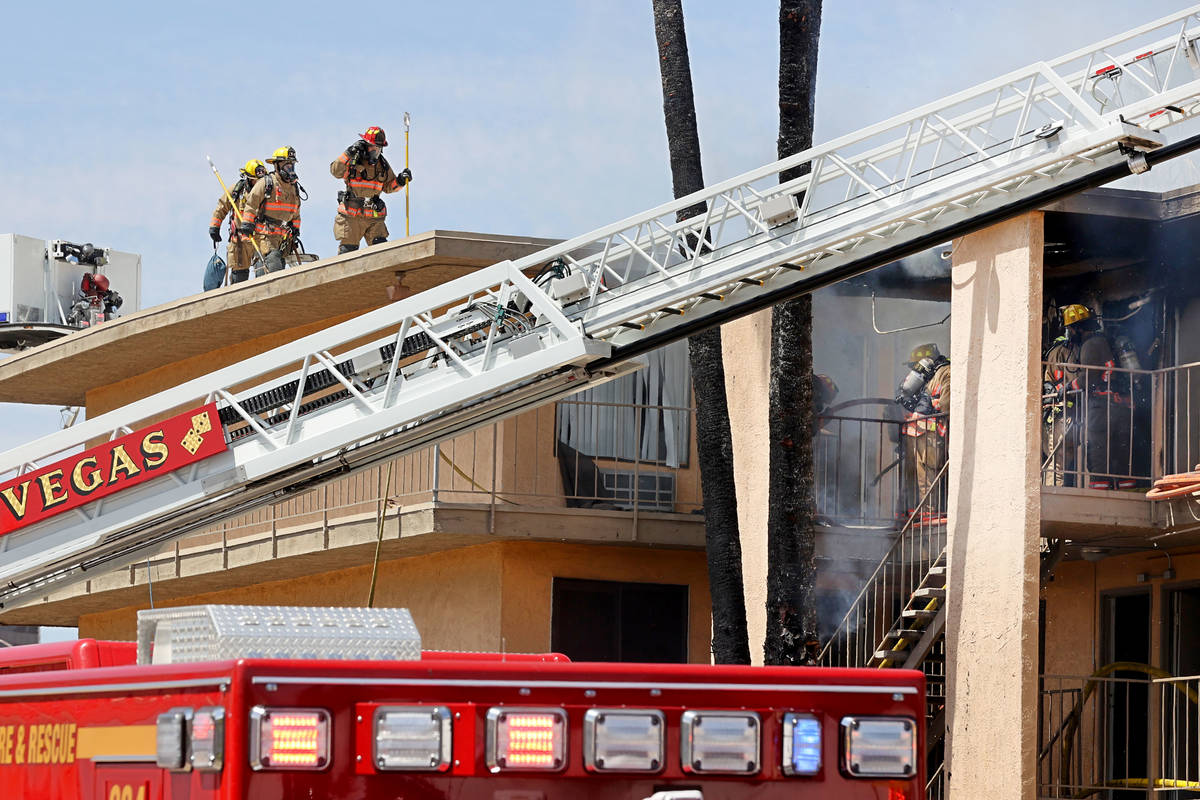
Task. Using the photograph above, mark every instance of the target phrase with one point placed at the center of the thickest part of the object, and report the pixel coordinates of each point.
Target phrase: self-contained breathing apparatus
(911, 394)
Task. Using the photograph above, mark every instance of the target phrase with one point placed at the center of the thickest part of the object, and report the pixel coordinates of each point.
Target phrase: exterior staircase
(898, 619)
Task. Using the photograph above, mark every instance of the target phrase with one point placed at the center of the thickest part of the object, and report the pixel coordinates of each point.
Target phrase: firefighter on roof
(925, 394)
(241, 250)
(272, 211)
(1085, 402)
(361, 211)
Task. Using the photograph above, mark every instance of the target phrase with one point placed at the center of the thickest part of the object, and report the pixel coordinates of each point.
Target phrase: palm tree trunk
(791, 524)
(714, 441)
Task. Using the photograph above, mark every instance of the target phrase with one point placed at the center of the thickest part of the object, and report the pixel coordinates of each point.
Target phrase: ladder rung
(711, 296)
(668, 310)
(751, 281)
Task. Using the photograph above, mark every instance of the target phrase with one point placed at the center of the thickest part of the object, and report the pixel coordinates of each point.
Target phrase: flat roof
(61, 372)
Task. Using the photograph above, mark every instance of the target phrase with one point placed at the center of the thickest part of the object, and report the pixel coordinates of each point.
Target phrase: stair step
(939, 569)
(918, 613)
(930, 591)
(896, 657)
(907, 634)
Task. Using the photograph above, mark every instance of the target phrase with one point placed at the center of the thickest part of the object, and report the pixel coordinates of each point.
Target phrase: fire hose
(1169, 487)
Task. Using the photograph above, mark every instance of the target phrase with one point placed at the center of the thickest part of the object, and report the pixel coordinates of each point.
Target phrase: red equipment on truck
(246, 703)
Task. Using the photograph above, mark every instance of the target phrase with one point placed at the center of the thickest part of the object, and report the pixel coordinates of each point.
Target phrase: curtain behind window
(612, 431)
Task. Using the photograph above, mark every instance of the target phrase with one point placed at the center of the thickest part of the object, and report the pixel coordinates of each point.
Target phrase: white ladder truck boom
(509, 342)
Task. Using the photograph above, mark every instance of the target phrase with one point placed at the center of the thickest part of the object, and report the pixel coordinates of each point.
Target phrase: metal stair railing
(509, 342)
(877, 610)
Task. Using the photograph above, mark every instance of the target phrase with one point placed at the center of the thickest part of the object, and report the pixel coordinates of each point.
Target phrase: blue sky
(540, 118)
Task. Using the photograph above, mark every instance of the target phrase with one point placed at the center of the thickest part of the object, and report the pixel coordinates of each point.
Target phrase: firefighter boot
(346, 248)
(379, 240)
(238, 275)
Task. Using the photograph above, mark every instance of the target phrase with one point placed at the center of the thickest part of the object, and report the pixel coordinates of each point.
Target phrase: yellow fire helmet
(254, 168)
(929, 350)
(1075, 313)
(282, 154)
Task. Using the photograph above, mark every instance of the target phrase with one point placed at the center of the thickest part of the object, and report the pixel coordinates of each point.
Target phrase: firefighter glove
(405, 176)
(924, 405)
(246, 228)
(214, 233)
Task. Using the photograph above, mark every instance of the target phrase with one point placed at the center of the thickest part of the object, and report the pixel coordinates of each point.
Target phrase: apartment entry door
(1180, 710)
(1126, 693)
(619, 621)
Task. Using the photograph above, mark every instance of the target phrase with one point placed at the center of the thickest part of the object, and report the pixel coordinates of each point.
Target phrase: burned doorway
(619, 621)
(1126, 627)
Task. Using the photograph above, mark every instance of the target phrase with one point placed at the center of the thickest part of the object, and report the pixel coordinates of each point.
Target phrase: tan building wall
(746, 348)
(1073, 605)
(483, 598)
(994, 512)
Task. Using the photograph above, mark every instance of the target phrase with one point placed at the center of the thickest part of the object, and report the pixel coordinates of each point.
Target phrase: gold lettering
(153, 445)
(15, 504)
(6, 744)
(20, 744)
(69, 756)
(93, 478)
(121, 463)
(50, 484)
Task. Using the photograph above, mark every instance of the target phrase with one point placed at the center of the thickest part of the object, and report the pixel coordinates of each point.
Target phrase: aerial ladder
(522, 333)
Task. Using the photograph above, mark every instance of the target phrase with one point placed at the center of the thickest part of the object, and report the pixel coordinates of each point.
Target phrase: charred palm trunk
(791, 524)
(713, 439)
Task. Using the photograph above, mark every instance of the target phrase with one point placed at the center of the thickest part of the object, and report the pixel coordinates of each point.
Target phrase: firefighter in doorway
(361, 211)
(925, 395)
(272, 211)
(1085, 403)
(241, 250)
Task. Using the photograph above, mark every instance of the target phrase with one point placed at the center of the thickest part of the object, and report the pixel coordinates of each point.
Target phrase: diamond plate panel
(218, 633)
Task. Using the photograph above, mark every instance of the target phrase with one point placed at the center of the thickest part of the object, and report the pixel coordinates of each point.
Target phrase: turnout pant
(350, 230)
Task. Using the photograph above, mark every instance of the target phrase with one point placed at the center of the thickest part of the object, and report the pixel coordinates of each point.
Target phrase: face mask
(372, 154)
(287, 172)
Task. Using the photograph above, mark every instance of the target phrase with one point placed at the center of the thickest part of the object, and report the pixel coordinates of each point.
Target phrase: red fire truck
(90, 720)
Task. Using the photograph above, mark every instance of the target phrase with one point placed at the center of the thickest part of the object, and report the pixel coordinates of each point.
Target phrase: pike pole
(233, 207)
(407, 122)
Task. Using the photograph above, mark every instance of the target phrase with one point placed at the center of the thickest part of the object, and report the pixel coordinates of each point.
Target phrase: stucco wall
(746, 349)
(487, 597)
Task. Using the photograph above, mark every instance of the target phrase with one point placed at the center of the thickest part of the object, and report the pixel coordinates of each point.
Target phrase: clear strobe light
(623, 740)
(413, 738)
(879, 747)
(719, 741)
(170, 739)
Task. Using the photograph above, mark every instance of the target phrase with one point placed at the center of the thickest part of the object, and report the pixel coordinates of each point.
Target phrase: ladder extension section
(497, 342)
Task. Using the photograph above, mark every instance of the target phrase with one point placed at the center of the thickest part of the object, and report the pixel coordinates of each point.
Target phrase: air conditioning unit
(655, 490)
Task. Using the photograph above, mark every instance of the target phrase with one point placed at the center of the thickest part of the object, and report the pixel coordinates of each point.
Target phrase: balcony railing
(1128, 731)
(1114, 428)
(516, 463)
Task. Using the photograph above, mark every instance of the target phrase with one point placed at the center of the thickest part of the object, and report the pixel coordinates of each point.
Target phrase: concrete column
(994, 511)
(746, 347)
